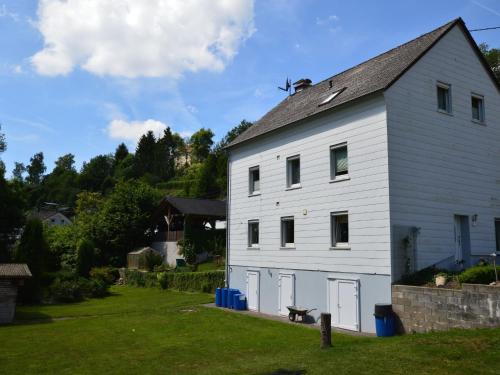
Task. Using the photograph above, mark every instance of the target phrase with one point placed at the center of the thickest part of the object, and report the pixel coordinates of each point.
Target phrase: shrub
(69, 287)
(85, 257)
(108, 275)
(152, 260)
(187, 250)
(481, 274)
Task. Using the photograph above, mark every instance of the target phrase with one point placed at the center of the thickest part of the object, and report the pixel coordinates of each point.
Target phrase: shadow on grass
(32, 317)
(282, 371)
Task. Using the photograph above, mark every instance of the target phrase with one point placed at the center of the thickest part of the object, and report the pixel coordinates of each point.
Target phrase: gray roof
(14, 271)
(195, 206)
(369, 77)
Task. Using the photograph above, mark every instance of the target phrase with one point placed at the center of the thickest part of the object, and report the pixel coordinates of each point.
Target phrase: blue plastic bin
(384, 326)
(384, 320)
(230, 293)
(239, 301)
(224, 297)
(218, 297)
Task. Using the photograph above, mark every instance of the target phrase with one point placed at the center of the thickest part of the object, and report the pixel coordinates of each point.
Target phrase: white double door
(343, 303)
(286, 286)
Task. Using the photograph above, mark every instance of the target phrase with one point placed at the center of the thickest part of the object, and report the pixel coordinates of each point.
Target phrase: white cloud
(327, 20)
(192, 108)
(5, 13)
(133, 130)
(132, 38)
(17, 69)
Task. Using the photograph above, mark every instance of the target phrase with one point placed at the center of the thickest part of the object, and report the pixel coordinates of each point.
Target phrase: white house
(386, 168)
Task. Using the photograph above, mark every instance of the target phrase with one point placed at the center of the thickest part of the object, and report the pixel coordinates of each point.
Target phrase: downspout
(228, 204)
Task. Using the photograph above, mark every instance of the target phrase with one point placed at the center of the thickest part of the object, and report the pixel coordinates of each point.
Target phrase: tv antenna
(288, 86)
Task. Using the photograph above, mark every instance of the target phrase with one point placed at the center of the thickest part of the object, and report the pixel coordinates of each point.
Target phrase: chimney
(302, 84)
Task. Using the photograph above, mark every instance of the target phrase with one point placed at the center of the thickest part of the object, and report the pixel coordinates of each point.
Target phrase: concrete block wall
(423, 309)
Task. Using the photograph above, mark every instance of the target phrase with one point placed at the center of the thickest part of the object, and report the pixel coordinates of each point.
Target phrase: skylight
(332, 96)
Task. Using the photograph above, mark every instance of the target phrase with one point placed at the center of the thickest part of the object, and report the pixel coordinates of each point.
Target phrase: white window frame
(287, 245)
(482, 113)
(333, 243)
(447, 87)
(289, 161)
(251, 181)
(250, 244)
(333, 171)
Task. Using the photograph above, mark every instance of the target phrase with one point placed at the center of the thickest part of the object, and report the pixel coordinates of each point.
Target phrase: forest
(110, 201)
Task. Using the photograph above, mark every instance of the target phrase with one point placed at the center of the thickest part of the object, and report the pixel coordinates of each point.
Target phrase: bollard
(326, 330)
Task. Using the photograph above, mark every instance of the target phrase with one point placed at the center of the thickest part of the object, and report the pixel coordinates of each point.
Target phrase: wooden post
(326, 330)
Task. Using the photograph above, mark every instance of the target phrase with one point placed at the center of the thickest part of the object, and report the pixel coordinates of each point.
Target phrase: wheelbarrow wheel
(291, 316)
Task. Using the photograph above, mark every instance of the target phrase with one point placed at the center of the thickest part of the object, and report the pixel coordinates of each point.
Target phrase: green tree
(32, 250)
(201, 143)
(493, 57)
(65, 163)
(167, 149)
(36, 169)
(121, 153)
(124, 221)
(3, 141)
(60, 186)
(96, 174)
(18, 172)
(145, 155)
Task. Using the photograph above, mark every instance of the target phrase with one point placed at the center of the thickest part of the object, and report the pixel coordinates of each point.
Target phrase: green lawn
(150, 331)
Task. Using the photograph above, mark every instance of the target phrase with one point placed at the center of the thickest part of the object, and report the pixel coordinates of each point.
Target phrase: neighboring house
(51, 217)
(177, 214)
(386, 168)
(12, 276)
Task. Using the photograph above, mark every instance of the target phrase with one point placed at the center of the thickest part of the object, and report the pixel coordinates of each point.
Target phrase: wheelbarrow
(295, 311)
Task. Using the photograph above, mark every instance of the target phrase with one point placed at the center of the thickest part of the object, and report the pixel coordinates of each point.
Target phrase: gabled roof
(195, 206)
(372, 76)
(14, 271)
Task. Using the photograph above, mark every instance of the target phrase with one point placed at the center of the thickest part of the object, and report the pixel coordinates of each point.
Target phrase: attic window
(332, 96)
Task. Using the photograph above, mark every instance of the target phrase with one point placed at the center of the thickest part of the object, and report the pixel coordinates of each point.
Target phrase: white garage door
(343, 303)
(286, 292)
(253, 290)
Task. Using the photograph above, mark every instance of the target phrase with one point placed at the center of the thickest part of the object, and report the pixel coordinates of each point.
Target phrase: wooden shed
(12, 275)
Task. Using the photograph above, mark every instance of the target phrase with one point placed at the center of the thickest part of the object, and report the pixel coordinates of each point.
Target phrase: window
(254, 180)
(332, 96)
(253, 233)
(293, 171)
(477, 102)
(444, 97)
(287, 232)
(497, 233)
(338, 160)
(339, 229)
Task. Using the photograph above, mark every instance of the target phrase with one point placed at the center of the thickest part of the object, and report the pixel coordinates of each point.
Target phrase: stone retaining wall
(423, 309)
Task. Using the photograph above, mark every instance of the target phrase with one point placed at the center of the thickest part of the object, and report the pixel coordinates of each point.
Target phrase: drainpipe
(228, 204)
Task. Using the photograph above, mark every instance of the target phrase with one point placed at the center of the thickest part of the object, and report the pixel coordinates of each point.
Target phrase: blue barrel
(239, 301)
(224, 297)
(230, 293)
(218, 297)
(384, 320)
(384, 326)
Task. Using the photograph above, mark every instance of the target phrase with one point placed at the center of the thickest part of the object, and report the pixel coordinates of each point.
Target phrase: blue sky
(69, 86)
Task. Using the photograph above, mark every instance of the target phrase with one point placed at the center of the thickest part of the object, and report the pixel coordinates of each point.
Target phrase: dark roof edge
(314, 116)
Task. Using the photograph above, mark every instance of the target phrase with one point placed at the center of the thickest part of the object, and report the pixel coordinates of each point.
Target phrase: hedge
(481, 274)
(184, 281)
(192, 281)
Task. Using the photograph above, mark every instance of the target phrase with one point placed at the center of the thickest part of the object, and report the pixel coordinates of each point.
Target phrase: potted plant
(440, 279)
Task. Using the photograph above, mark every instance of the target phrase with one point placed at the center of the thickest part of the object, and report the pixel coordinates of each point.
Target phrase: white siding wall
(364, 196)
(441, 165)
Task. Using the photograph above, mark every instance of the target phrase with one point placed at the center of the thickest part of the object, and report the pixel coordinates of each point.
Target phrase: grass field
(150, 331)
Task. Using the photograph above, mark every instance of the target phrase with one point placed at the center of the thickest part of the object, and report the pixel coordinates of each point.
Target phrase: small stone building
(12, 275)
